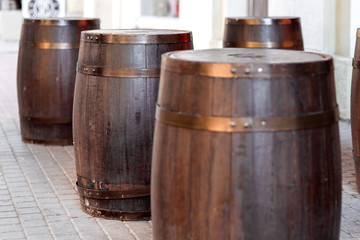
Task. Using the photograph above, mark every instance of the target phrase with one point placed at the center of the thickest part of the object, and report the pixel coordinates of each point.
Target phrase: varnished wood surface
(46, 78)
(266, 32)
(113, 151)
(256, 185)
(355, 108)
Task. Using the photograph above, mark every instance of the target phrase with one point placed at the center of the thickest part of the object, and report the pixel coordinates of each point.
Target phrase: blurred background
(328, 26)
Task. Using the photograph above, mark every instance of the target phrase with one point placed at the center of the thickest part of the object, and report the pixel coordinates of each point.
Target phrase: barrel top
(73, 21)
(137, 36)
(262, 20)
(242, 56)
(358, 33)
(235, 62)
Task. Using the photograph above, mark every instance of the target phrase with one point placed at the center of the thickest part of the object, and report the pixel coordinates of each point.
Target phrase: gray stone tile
(36, 231)
(5, 215)
(6, 209)
(32, 217)
(26, 205)
(24, 211)
(40, 236)
(13, 235)
(6, 203)
(9, 221)
(34, 223)
(10, 228)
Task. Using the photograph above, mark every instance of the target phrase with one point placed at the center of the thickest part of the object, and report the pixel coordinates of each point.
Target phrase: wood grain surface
(114, 119)
(265, 32)
(355, 107)
(46, 77)
(246, 185)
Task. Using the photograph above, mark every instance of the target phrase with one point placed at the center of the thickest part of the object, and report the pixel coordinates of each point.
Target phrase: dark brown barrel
(114, 113)
(355, 108)
(263, 32)
(246, 146)
(46, 77)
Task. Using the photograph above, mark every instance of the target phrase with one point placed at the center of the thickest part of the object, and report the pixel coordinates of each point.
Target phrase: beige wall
(342, 28)
(113, 13)
(317, 21)
(75, 7)
(100, 9)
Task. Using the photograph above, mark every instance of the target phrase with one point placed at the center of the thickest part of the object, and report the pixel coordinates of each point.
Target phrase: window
(10, 4)
(164, 8)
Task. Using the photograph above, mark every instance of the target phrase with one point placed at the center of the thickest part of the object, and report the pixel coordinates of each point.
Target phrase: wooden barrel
(114, 113)
(355, 109)
(46, 77)
(263, 32)
(246, 146)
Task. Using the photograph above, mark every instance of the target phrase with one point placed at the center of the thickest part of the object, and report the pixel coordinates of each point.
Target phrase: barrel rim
(113, 214)
(262, 20)
(61, 21)
(246, 70)
(99, 36)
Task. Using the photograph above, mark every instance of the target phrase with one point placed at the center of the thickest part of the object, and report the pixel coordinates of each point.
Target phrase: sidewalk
(38, 198)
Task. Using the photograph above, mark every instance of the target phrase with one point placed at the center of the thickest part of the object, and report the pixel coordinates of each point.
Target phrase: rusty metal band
(356, 63)
(62, 22)
(258, 70)
(112, 214)
(136, 39)
(118, 72)
(261, 21)
(358, 33)
(98, 185)
(114, 194)
(47, 120)
(246, 124)
(254, 44)
(50, 45)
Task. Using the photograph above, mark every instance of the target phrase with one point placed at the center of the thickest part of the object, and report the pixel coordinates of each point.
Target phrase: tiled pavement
(38, 198)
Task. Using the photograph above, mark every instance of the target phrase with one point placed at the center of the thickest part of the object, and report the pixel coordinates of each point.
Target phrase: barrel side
(282, 36)
(114, 153)
(45, 81)
(355, 113)
(260, 185)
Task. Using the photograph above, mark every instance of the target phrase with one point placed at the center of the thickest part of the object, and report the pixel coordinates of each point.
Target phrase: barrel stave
(35, 32)
(123, 128)
(355, 121)
(46, 97)
(355, 114)
(264, 33)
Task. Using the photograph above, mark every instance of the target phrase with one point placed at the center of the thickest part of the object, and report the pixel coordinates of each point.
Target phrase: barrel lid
(262, 20)
(137, 36)
(73, 21)
(242, 62)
